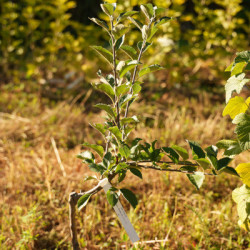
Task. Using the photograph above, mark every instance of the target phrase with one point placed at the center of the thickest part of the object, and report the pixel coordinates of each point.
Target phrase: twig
(58, 156)
(164, 169)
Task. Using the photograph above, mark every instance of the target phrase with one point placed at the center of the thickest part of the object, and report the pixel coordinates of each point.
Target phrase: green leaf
(162, 20)
(119, 30)
(229, 170)
(229, 68)
(112, 197)
(86, 155)
(97, 168)
(196, 149)
(147, 10)
(237, 68)
(223, 162)
(124, 99)
(108, 8)
(196, 179)
(124, 150)
(107, 159)
(225, 144)
(119, 42)
(204, 163)
(242, 197)
(136, 172)
(181, 151)
(243, 170)
(122, 89)
(153, 31)
(129, 196)
(121, 176)
(235, 106)
(188, 168)
(146, 46)
(99, 149)
(107, 108)
(88, 178)
(137, 23)
(136, 87)
(130, 51)
(82, 202)
(235, 83)
(107, 55)
(128, 120)
(150, 69)
(130, 64)
(158, 11)
(243, 56)
(116, 132)
(106, 88)
(121, 166)
(99, 127)
(100, 23)
(243, 132)
(125, 15)
(171, 154)
(212, 150)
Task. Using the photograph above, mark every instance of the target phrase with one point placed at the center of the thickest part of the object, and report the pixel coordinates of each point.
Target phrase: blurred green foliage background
(45, 43)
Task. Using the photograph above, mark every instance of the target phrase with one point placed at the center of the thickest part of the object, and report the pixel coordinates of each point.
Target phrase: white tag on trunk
(121, 213)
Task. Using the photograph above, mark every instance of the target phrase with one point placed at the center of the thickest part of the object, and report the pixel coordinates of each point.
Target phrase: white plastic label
(121, 214)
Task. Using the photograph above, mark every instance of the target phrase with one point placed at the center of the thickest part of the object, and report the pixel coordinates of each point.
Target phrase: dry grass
(34, 192)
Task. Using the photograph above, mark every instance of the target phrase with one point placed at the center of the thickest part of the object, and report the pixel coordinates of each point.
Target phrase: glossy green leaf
(107, 55)
(97, 168)
(223, 162)
(107, 159)
(124, 150)
(181, 151)
(145, 46)
(130, 64)
(108, 8)
(147, 10)
(196, 149)
(129, 196)
(100, 23)
(121, 166)
(100, 127)
(204, 163)
(119, 42)
(83, 201)
(136, 87)
(86, 155)
(136, 22)
(136, 172)
(112, 197)
(116, 132)
(122, 89)
(119, 30)
(107, 108)
(106, 88)
(171, 153)
(130, 51)
(188, 168)
(243, 132)
(149, 69)
(125, 15)
(99, 149)
(243, 56)
(162, 20)
(196, 179)
(229, 170)
(158, 11)
(128, 120)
